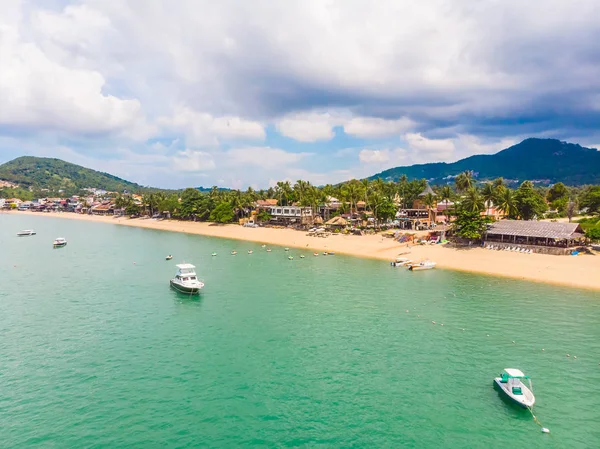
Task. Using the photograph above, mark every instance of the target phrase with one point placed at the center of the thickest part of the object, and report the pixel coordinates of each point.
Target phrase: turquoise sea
(96, 351)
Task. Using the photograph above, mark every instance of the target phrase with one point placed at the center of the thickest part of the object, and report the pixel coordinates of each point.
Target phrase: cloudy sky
(239, 93)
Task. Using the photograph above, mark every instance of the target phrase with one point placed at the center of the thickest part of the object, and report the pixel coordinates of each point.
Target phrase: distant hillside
(55, 174)
(532, 159)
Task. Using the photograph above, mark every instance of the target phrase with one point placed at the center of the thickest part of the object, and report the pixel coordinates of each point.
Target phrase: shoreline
(570, 271)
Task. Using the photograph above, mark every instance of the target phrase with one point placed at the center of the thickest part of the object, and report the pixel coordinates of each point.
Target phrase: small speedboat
(401, 262)
(315, 254)
(268, 250)
(422, 266)
(263, 246)
(302, 256)
(169, 257)
(233, 253)
(59, 242)
(25, 233)
(250, 251)
(186, 280)
(511, 384)
(290, 258)
(287, 249)
(213, 254)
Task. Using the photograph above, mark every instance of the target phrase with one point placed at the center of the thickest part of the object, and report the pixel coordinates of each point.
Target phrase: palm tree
(366, 188)
(402, 187)
(351, 192)
(472, 202)
(507, 203)
(464, 181)
(446, 195)
(301, 187)
(489, 194)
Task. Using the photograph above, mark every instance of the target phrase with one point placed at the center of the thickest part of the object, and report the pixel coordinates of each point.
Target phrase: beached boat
(511, 384)
(59, 242)
(421, 266)
(401, 262)
(186, 280)
(25, 233)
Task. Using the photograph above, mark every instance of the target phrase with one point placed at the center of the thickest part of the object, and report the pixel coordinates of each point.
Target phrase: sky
(242, 93)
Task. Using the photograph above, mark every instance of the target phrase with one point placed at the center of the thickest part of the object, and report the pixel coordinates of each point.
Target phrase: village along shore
(581, 271)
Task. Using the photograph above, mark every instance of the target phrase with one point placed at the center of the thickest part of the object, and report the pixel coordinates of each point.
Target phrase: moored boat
(511, 384)
(186, 280)
(169, 257)
(401, 262)
(59, 242)
(25, 233)
(427, 265)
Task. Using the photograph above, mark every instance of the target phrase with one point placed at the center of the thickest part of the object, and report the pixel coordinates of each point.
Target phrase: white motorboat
(25, 233)
(186, 280)
(401, 262)
(59, 242)
(511, 384)
(427, 265)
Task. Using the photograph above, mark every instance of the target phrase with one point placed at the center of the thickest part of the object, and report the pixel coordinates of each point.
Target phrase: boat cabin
(186, 272)
(512, 378)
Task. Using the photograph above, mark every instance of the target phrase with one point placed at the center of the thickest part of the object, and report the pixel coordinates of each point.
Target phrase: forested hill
(55, 174)
(532, 159)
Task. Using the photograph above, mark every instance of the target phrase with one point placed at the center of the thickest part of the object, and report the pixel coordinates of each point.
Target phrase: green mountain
(547, 160)
(55, 174)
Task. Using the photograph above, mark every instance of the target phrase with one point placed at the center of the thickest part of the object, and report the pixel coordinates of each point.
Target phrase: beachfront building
(265, 204)
(544, 236)
(419, 216)
(291, 215)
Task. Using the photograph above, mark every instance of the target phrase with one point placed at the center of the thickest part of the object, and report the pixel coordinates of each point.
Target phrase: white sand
(576, 271)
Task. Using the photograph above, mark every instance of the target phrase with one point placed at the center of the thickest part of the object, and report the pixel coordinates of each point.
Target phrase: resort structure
(548, 237)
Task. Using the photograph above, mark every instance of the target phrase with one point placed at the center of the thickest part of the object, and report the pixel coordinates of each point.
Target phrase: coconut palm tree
(507, 203)
(473, 201)
(489, 194)
(464, 181)
(446, 194)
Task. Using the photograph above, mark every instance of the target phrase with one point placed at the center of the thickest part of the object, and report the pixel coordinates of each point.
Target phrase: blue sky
(238, 94)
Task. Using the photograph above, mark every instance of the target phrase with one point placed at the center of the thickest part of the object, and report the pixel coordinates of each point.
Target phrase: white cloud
(308, 127)
(193, 161)
(40, 94)
(264, 157)
(417, 142)
(372, 127)
(388, 156)
(370, 156)
(204, 129)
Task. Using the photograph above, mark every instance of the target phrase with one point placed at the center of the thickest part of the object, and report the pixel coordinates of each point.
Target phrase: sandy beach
(580, 271)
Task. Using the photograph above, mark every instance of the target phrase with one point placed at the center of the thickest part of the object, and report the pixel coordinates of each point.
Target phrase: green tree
(386, 210)
(464, 181)
(590, 199)
(472, 201)
(557, 192)
(529, 203)
(446, 196)
(470, 224)
(489, 193)
(223, 213)
(507, 203)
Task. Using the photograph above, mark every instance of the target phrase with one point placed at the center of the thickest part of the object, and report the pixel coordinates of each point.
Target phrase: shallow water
(97, 351)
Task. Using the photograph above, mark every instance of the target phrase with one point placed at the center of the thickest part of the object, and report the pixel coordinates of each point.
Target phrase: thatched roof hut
(318, 220)
(337, 222)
